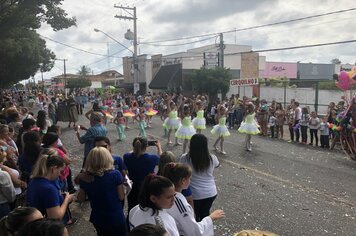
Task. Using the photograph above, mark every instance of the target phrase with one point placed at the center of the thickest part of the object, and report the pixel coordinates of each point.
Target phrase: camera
(152, 143)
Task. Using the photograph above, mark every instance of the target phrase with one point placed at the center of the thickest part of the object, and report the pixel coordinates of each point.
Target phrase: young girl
(249, 126)
(220, 129)
(314, 125)
(149, 111)
(182, 212)
(303, 122)
(141, 122)
(199, 121)
(127, 113)
(120, 125)
(157, 193)
(186, 131)
(324, 133)
(172, 123)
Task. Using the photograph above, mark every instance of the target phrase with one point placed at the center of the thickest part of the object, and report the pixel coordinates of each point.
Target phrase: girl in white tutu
(186, 130)
(172, 122)
(220, 129)
(249, 126)
(199, 121)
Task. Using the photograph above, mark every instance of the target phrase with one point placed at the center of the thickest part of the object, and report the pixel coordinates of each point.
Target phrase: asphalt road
(288, 189)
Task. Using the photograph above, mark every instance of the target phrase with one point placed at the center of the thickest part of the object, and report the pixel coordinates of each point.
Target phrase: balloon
(331, 125)
(344, 82)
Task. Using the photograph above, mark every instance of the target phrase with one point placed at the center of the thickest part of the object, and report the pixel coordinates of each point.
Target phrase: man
(96, 129)
(102, 141)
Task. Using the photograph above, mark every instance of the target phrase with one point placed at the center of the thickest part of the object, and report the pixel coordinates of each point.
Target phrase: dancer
(127, 113)
(220, 129)
(149, 111)
(199, 121)
(141, 122)
(186, 131)
(120, 125)
(172, 123)
(249, 126)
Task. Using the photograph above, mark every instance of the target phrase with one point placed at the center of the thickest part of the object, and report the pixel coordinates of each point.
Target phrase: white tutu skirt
(170, 123)
(199, 123)
(185, 132)
(220, 130)
(248, 128)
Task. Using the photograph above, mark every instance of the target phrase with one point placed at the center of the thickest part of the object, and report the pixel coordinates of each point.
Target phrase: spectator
(280, 117)
(166, 157)
(96, 129)
(157, 193)
(202, 183)
(42, 192)
(73, 112)
(27, 126)
(42, 122)
(104, 187)
(52, 110)
(7, 190)
(297, 117)
(15, 220)
(58, 130)
(43, 227)
(148, 230)
(314, 125)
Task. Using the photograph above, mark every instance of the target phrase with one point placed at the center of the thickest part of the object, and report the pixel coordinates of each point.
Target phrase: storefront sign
(244, 82)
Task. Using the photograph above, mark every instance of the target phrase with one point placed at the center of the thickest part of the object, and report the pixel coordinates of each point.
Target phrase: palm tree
(84, 71)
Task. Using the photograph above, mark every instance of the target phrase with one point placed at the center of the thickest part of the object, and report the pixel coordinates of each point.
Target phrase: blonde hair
(98, 161)
(166, 157)
(47, 159)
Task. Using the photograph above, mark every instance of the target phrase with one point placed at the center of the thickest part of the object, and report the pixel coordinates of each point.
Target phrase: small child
(120, 125)
(324, 133)
(272, 124)
(141, 122)
(58, 130)
(249, 126)
(314, 125)
(220, 130)
(304, 122)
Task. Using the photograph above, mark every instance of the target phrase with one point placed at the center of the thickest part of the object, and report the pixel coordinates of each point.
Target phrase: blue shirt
(88, 137)
(43, 194)
(24, 164)
(104, 200)
(119, 163)
(140, 167)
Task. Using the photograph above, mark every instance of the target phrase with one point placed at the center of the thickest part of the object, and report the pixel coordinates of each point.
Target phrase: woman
(202, 182)
(280, 118)
(139, 164)
(7, 190)
(73, 112)
(104, 187)
(42, 122)
(43, 227)
(16, 219)
(32, 148)
(42, 192)
(157, 193)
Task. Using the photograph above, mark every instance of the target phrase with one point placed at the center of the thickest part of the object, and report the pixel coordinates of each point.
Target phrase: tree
(335, 61)
(84, 72)
(22, 51)
(211, 81)
(75, 83)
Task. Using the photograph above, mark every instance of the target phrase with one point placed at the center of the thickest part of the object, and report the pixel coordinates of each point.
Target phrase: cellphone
(152, 143)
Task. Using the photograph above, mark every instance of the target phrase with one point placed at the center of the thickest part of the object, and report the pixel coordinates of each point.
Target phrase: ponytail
(139, 145)
(47, 159)
(176, 172)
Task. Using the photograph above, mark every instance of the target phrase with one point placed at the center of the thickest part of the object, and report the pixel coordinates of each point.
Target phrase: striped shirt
(88, 137)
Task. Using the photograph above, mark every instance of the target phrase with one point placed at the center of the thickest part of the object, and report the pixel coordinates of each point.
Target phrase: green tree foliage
(84, 72)
(22, 51)
(335, 61)
(211, 81)
(74, 83)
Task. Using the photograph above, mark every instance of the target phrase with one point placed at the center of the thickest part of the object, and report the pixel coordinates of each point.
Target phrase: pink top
(65, 172)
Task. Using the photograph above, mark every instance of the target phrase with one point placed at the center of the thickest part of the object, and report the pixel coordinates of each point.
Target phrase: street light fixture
(109, 36)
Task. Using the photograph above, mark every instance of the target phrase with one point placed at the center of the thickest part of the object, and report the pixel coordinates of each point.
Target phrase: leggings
(121, 132)
(141, 126)
(304, 130)
(314, 132)
(202, 207)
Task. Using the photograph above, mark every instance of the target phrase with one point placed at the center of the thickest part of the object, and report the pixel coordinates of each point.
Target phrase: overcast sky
(170, 19)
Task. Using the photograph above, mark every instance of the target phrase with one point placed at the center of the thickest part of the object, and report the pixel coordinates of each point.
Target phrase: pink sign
(280, 69)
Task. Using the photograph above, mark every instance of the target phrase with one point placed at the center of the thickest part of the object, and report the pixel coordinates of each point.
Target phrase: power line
(72, 47)
(111, 55)
(256, 27)
(180, 44)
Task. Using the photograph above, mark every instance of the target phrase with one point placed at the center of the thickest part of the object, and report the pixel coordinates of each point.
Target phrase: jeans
(314, 133)
(304, 130)
(202, 207)
(297, 134)
(231, 120)
(324, 141)
(272, 131)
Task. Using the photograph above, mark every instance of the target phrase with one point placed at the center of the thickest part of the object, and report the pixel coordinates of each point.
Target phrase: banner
(244, 82)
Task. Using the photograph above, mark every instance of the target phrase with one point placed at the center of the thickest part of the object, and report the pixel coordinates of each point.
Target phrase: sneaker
(223, 152)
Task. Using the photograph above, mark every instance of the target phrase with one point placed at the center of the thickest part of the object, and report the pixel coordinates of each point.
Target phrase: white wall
(95, 84)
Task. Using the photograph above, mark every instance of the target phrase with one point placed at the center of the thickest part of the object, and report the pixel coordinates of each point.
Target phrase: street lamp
(109, 36)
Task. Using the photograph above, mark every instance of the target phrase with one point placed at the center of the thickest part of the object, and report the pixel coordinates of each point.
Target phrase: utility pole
(65, 75)
(132, 12)
(108, 52)
(221, 53)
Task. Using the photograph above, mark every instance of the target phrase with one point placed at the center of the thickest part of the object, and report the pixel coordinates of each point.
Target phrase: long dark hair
(49, 139)
(32, 148)
(43, 227)
(199, 153)
(41, 119)
(152, 185)
(15, 220)
(176, 172)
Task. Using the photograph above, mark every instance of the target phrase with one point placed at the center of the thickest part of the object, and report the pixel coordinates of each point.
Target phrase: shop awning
(168, 77)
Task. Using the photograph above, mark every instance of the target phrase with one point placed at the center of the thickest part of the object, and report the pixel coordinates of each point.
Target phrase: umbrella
(110, 87)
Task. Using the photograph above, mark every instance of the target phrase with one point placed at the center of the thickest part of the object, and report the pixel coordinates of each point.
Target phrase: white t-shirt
(183, 214)
(137, 217)
(298, 113)
(202, 184)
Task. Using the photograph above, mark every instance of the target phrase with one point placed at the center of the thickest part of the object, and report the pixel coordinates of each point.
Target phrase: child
(141, 122)
(314, 125)
(220, 129)
(127, 113)
(304, 122)
(272, 124)
(324, 133)
(249, 125)
(149, 112)
(120, 125)
(172, 123)
(199, 121)
(181, 211)
(186, 131)
(157, 194)
(58, 130)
